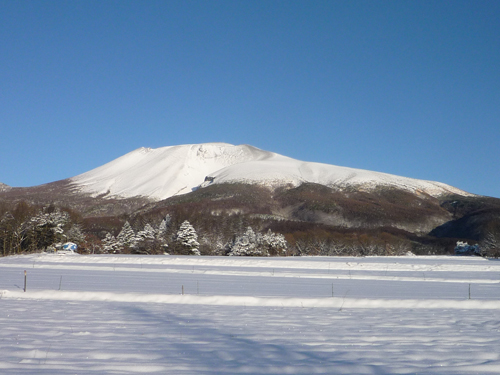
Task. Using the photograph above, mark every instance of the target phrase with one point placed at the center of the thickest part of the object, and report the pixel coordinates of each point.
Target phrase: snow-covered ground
(127, 314)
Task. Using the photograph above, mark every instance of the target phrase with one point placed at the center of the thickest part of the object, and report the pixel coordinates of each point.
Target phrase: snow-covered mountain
(164, 172)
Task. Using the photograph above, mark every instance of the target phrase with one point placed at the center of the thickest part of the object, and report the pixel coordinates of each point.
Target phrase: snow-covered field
(127, 314)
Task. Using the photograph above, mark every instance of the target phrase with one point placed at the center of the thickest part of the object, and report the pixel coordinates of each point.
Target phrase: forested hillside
(244, 219)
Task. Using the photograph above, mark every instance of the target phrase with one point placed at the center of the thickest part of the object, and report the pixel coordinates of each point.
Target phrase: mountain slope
(168, 171)
(4, 187)
(223, 189)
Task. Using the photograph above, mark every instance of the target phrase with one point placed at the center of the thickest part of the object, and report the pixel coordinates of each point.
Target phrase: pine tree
(146, 241)
(147, 234)
(127, 236)
(161, 234)
(252, 244)
(75, 234)
(47, 229)
(110, 244)
(187, 238)
(162, 229)
(273, 243)
(246, 244)
(59, 220)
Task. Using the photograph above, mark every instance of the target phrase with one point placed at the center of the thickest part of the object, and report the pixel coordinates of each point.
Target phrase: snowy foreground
(127, 314)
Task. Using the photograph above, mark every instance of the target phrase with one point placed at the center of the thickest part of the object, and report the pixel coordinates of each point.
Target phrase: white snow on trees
(188, 238)
(110, 244)
(49, 228)
(185, 241)
(252, 244)
(147, 234)
(163, 227)
(127, 236)
(463, 248)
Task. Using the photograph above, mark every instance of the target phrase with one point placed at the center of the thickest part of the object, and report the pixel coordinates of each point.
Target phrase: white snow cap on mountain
(167, 171)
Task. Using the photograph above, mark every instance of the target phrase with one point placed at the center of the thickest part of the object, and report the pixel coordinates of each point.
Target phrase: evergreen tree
(246, 244)
(147, 234)
(273, 243)
(187, 238)
(127, 236)
(110, 244)
(75, 234)
(163, 228)
(47, 229)
(161, 234)
(59, 220)
(146, 242)
(252, 244)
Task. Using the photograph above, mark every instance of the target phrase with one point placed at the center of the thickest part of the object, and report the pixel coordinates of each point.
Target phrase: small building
(69, 247)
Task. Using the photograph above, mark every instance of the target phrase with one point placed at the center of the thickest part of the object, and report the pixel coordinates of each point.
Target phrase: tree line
(26, 228)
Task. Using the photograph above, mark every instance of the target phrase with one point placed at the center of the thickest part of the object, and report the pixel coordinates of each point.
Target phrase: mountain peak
(173, 170)
(4, 187)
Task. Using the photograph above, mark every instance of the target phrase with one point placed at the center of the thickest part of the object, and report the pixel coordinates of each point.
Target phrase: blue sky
(404, 87)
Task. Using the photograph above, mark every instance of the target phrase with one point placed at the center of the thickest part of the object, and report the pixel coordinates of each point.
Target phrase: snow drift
(164, 172)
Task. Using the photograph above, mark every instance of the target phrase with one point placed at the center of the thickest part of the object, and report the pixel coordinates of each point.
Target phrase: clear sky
(404, 87)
